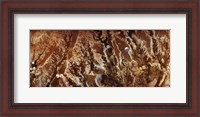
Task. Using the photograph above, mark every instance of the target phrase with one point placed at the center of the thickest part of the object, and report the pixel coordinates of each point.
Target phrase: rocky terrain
(100, 58)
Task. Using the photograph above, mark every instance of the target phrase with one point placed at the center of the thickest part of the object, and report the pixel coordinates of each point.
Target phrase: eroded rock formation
(100, 58)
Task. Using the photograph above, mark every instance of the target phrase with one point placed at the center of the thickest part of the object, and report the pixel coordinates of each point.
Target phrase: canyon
(99, 58)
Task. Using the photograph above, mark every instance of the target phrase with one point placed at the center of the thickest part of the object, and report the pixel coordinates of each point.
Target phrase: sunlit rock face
(100, 58)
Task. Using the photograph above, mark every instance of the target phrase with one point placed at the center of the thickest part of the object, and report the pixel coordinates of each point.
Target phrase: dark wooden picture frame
(11, 7)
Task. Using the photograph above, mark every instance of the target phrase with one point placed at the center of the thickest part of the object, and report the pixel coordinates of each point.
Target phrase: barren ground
(99, 58)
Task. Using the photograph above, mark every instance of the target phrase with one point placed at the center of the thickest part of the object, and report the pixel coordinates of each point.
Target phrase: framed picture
(100, 58)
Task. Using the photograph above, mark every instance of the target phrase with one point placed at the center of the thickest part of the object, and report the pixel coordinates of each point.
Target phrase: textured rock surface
(99, 58)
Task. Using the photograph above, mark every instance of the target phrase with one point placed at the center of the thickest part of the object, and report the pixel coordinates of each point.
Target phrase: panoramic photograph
(99, 58)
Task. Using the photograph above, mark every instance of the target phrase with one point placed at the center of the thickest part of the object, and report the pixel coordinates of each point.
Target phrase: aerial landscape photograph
(99, 58)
